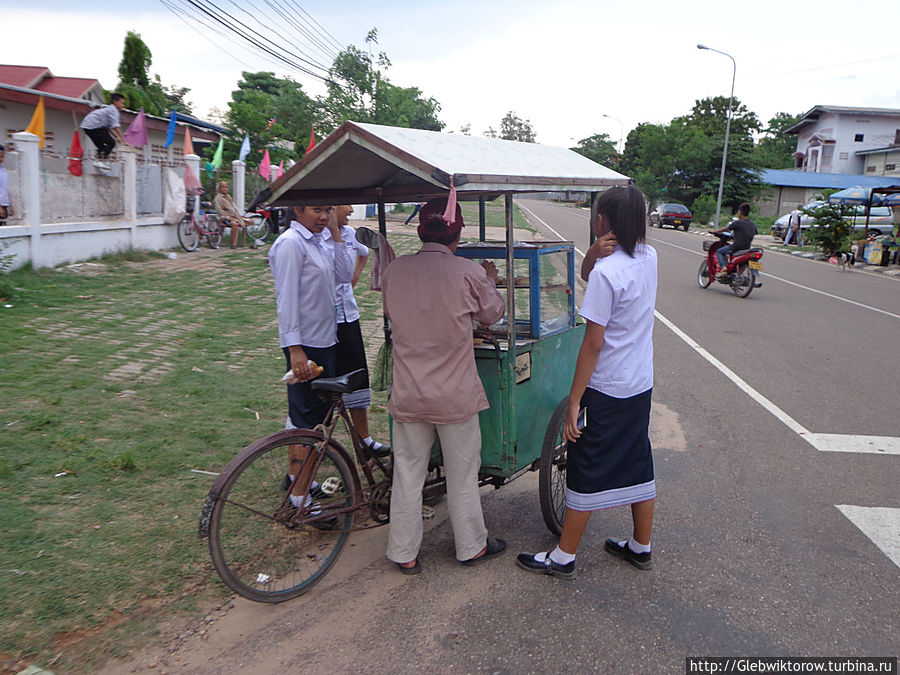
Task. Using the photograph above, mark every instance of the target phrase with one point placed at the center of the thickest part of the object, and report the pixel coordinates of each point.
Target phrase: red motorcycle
(266, 222)
(742, 270)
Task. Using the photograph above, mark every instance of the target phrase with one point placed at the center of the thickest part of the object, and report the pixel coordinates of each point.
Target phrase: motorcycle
(742, 269)
(266, 222)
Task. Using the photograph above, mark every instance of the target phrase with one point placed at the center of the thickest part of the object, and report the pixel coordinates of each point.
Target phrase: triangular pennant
(136, 134)
(188, 145)
(75, 155)
(36, 125)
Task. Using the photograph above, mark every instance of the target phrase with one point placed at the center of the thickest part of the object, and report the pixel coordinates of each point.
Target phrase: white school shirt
(348, 310)
(106, 117)
(306, 268)
(621, 295)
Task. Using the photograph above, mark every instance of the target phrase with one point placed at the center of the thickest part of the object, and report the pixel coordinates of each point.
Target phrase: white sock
(560, 557)
(638, 548)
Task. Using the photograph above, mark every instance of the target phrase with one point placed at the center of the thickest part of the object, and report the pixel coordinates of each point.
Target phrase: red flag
(312, 139)
(265, 168)
(75, 155)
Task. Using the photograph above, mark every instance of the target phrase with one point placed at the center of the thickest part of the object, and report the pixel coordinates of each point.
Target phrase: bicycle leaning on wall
(198, 223)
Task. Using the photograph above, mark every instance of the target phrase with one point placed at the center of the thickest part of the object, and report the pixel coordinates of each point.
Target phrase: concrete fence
(61, 218)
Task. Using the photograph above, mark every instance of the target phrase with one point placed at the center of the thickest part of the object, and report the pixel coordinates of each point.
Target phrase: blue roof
(812, 179)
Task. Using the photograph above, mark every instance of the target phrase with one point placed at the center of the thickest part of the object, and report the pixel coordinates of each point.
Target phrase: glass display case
(543, 276)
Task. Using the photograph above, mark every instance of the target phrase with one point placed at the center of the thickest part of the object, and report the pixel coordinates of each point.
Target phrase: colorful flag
(271, 122)
(136, 134)
(280, 170)
(312, 139)
(217, 157)
(170, 134)
(188, 145)
(75, 154)
(265, 168)
(36, 125)
(245, 148)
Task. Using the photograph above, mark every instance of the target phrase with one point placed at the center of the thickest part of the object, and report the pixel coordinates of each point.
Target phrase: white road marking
(767, 275)
(533, 215)
(879, 445)
(880, 524)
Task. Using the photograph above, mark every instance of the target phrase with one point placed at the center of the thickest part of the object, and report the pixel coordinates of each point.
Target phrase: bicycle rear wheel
(265, 549)
(213, 232)
(188, 236)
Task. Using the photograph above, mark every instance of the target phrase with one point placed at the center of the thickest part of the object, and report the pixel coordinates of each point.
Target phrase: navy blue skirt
(611, 464)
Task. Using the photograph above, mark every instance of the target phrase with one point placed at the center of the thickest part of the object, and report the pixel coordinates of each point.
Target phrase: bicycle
(193, 226)
(263, 546)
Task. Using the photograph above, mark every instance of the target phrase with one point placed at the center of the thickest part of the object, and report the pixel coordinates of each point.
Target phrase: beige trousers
(461, 447)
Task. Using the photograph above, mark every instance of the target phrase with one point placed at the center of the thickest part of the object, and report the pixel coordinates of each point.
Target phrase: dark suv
(674, 215)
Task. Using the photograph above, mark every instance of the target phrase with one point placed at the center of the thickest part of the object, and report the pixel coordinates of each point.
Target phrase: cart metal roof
(360, 163)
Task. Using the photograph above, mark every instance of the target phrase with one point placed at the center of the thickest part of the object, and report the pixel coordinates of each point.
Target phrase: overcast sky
(562, 64)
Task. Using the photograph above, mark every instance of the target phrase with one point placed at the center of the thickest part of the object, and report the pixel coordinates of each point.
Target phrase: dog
(846, 261)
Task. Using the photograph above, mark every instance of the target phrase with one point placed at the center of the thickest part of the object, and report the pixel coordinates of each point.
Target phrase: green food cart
(526, 361)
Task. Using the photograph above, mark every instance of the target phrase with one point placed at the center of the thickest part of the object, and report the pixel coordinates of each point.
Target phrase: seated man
(743, 230)
(228, 214)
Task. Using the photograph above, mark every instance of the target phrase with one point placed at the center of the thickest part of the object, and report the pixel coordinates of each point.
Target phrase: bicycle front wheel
(188, 236)
(263, 547)
(258, 229)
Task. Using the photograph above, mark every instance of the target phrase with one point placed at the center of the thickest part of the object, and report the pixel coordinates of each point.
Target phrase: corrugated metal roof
(812, 179)
(357, 160)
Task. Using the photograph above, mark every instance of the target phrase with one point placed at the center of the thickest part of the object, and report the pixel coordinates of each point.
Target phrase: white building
(831, 138)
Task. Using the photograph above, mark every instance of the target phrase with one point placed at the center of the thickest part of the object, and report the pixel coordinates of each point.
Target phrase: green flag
(216, 160)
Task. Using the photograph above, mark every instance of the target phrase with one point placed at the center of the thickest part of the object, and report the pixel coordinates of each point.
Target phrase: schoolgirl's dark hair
(625, 211)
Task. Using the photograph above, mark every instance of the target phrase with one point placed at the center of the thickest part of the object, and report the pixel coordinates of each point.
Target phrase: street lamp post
(621, 131)
(727, 129)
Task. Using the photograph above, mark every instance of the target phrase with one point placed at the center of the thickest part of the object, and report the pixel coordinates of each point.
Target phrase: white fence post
(30, 181)
(238, 170)
(129, 189)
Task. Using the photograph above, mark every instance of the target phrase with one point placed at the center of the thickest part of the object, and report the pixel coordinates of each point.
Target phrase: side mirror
(367, 237)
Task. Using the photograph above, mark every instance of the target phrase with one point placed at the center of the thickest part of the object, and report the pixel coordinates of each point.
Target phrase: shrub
(831, 231)
(704, 207)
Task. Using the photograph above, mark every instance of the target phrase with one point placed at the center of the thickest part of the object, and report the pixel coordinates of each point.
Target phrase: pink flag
(450, 212)
(265, 168)
(280, 170)
(136, 134)
(191, 182)
(188, 144)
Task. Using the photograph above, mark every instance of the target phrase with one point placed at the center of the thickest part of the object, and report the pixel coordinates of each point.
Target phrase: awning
(360, 163)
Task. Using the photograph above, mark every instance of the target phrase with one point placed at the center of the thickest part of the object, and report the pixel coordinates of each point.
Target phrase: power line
(337, 44)
(310, 35)
(216, 13)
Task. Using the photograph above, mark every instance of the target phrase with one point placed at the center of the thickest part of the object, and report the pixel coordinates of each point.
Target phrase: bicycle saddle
(341, 385)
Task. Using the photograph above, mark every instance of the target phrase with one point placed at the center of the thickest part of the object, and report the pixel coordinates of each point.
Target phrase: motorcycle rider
(743, 230)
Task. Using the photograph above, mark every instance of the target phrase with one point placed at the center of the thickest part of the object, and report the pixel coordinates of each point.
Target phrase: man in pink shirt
(431, 299)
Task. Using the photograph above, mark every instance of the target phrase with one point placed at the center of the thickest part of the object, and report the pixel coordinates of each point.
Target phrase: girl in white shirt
(609, 455)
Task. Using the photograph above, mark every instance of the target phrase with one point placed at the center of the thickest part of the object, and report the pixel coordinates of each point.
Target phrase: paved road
(767, 541)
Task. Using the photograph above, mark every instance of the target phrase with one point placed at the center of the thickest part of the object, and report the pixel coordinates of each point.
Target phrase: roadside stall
(526, 361)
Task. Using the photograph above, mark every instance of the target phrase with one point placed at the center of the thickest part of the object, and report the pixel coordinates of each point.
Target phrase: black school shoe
(527, 562)
(381, 451)
(640, 560)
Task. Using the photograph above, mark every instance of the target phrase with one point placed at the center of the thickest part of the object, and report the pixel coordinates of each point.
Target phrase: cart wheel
(552, 475)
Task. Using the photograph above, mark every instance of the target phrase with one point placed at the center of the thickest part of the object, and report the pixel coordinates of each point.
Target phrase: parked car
(881, 220)
(674, 215)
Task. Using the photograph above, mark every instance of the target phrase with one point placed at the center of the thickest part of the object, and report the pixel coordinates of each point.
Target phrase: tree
(175, 99)
(774, 149)
(681, 161)
(140, 89)
(268, 109)
(360, 90)
(599, 148)
(514, 128)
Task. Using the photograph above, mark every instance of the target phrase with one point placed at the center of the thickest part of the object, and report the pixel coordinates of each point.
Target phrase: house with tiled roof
(67, 100)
